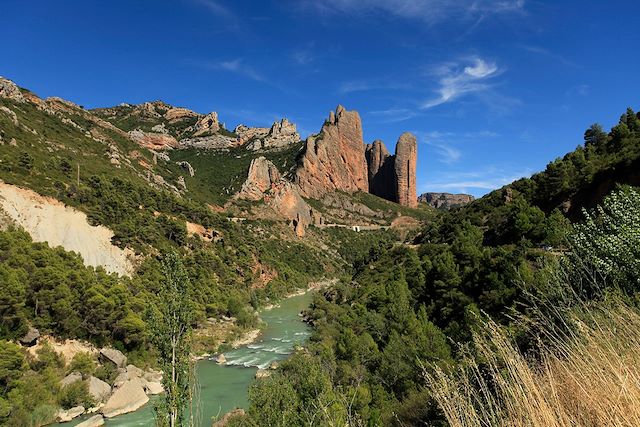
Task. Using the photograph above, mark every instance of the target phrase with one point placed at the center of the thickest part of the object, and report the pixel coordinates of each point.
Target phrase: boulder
(153, 376)
(31, 337)
(134, 371)
(95, 421)
(98, 389)
(221, 360)
(334, 159)
(127, 398)
(405, 170)
(262, 373)
(152, 387)
(113, 356)
(73, 377)
(122, 378)
(69, 414)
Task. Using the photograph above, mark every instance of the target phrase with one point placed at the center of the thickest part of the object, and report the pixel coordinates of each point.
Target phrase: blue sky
(494, 89)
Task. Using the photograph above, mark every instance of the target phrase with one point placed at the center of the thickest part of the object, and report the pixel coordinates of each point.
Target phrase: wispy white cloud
(429, 11)
(303, 56)
(368, 85)
(237, 66)
(474, 182)
(457, 79)
(446, 143)
(216, 8)
(549, 54)
(394, 115)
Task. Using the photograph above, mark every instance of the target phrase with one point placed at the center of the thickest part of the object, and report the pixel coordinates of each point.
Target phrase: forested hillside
(411, 310)
(154, 204)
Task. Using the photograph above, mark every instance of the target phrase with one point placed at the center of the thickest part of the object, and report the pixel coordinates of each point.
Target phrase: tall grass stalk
(585, 375)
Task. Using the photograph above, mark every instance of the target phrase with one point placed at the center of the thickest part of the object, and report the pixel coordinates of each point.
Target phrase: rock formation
(394, 177)
(445, 200)
(263, 175)
(10, 90)
(405, 170)
(334, 159)
(280, 135)
(264, 182)
(380, 170)
(153, 140)
(208, 123)
(216, 141)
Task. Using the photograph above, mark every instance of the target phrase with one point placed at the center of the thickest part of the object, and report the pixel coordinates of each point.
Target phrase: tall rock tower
(334, 159)
(405, 170)
(394, 177)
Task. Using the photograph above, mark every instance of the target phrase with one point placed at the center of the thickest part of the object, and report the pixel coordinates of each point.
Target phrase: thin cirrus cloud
(237, 66)
(475, 182)
(456, 80)
(445, 143)
(429, 11)
(218, 9)
(367, 85)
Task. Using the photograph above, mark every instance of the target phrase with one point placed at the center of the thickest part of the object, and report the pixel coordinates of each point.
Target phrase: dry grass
(587, 377)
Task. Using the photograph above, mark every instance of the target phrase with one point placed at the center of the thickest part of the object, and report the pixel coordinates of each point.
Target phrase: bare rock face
(394, 177)
(179, 113)
(334, 159)
(286, 200)
(405, 170)
(445, 200)
(281, 134)
(246, 133)
(10, 90)
(380, 170)
(264, 182)
(208, 123)
(263, 175)
(153, 140)
(211, 142)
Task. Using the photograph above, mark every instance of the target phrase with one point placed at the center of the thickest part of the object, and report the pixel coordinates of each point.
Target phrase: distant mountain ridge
(445, 200)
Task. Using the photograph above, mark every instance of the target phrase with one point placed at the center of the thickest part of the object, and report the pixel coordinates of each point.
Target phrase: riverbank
(224, 387)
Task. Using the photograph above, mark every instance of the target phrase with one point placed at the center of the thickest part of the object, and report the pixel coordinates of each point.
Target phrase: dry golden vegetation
(587, 373)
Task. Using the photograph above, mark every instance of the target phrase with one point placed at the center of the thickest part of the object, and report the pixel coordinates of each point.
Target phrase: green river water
(225, 387)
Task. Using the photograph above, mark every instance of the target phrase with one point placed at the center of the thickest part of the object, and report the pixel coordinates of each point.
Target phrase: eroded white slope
(48, 220)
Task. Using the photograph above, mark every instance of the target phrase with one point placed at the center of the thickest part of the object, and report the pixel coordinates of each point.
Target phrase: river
(225, 387)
